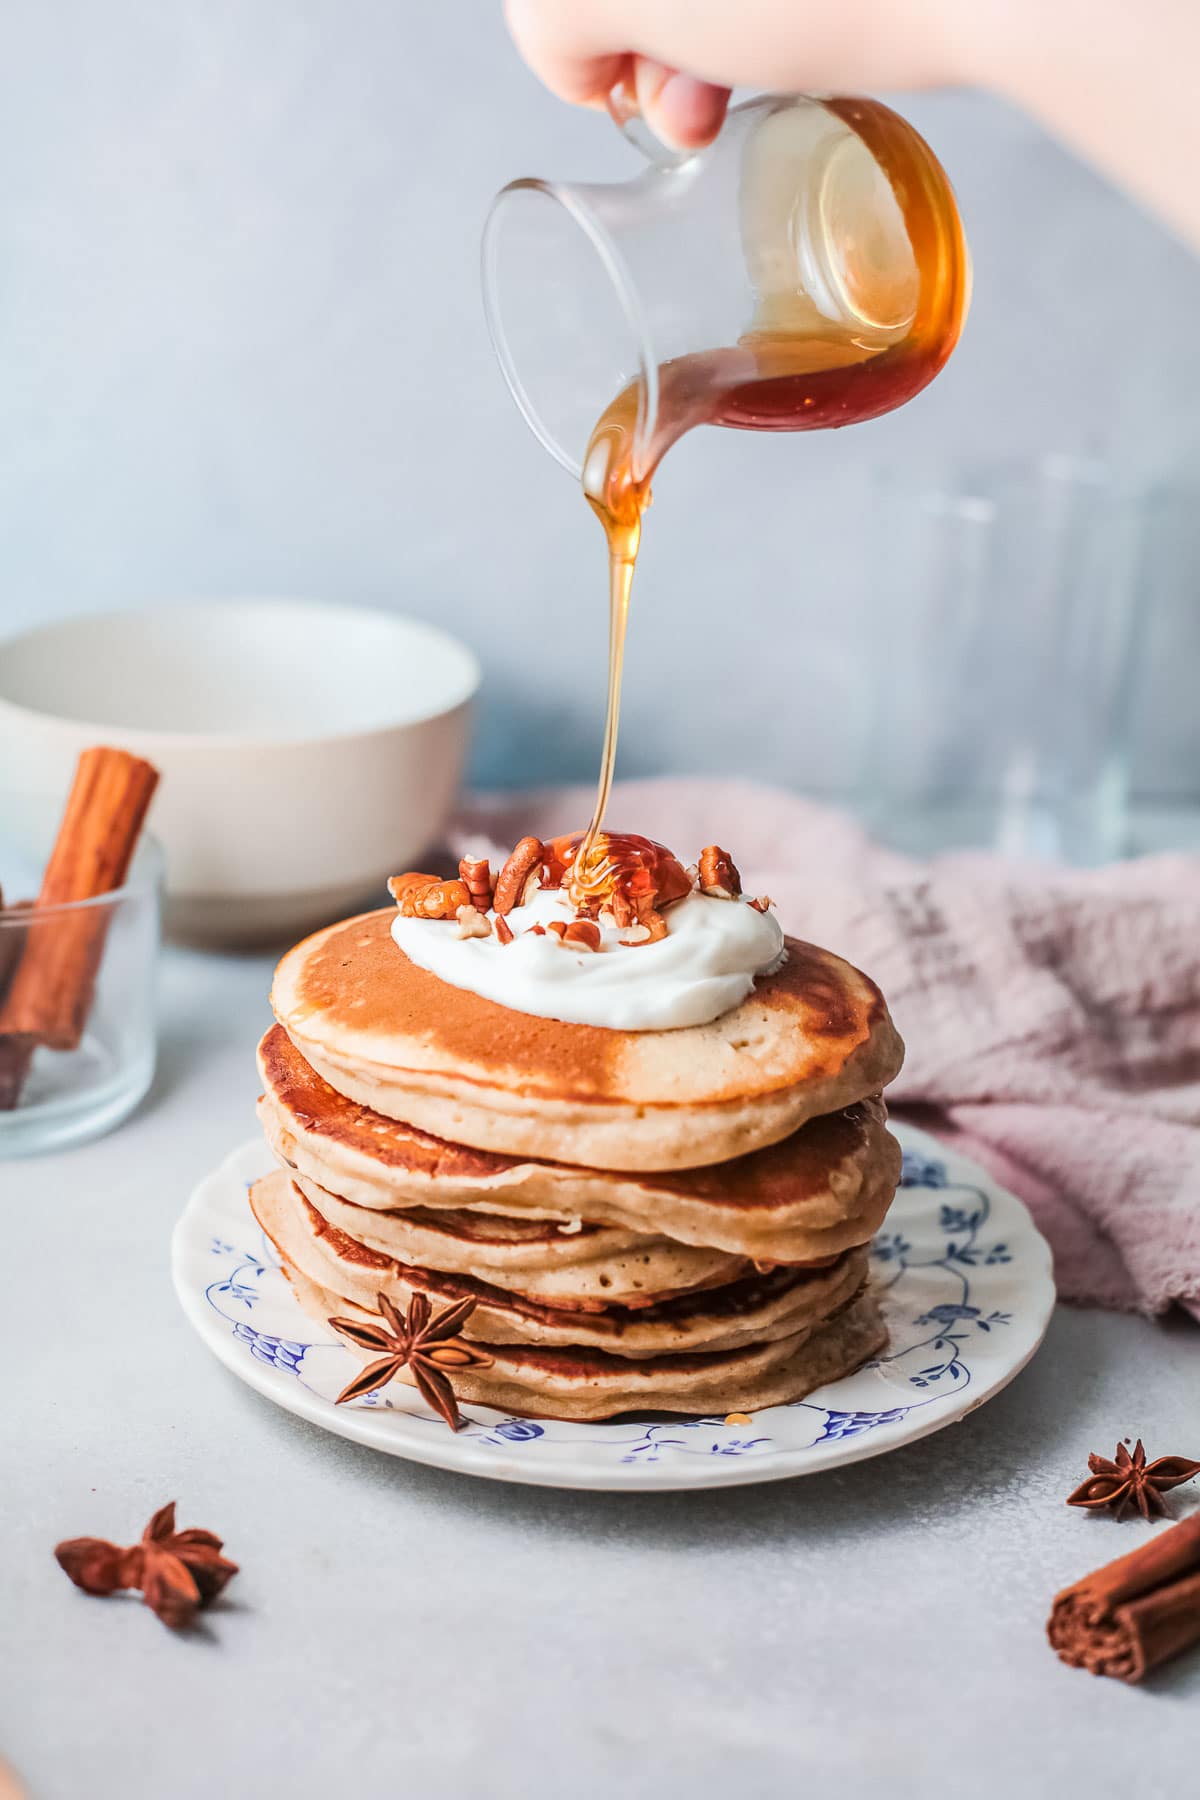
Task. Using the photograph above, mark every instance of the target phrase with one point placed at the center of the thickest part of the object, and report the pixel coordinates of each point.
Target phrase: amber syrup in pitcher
(775, 379)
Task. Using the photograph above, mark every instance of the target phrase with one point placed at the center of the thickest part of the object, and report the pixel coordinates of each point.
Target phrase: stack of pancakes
(665, 1220)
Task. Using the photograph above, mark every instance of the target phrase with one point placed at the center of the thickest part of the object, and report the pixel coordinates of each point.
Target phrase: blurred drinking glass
(1166, 719)
(1004, 600)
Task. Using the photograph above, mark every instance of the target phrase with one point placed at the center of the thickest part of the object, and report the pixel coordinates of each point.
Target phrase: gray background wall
(241, 349)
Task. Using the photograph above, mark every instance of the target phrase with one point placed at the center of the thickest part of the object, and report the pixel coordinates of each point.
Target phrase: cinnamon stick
(50, 993)
(1135, 1613)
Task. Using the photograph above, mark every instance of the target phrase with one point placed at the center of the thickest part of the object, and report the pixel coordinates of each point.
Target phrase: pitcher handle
(626, 115)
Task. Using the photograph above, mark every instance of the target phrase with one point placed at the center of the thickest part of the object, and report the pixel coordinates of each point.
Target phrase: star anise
(177, 1571)
(428, 1345)
(1130, 1481)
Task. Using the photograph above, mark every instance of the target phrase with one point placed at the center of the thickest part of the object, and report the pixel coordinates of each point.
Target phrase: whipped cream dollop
(705, 966)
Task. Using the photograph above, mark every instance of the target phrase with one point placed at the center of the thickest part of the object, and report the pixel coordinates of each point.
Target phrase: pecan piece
(582, 934)
(513, 879)
(504, 930)
(443, 900)
(763, 904)
(719, 877)
(472, 923)
(476, 875)
(425, 897)
(649, 928)
(622, 910)
(401, 887)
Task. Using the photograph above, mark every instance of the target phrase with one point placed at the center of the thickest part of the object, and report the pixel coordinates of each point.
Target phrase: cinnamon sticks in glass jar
(47, 994)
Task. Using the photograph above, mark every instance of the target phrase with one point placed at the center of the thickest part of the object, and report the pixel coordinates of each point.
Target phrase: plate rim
(464, 1455)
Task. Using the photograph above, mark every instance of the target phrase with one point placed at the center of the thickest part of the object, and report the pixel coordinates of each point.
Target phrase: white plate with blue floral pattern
(963, 1275)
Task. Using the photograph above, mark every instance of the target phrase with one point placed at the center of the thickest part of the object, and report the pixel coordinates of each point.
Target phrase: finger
(683, 112)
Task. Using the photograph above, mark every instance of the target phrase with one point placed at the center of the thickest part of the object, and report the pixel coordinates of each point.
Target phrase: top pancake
(812, 1038)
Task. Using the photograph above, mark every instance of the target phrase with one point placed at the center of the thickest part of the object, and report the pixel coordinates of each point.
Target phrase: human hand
(1119, 96)
(582, 49)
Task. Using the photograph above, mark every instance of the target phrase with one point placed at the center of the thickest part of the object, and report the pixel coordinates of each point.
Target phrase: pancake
(819, 1191)
(590, 1384)
(812, 1038)
(749, 1311)
(588, 1266)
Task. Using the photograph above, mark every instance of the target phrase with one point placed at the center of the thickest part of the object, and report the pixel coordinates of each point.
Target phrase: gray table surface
(396, 1629)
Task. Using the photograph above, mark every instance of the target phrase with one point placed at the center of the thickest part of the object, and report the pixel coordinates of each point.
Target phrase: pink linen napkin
(1052, 1017)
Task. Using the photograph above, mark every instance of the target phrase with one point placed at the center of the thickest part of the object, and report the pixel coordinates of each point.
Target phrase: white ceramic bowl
(307, 750)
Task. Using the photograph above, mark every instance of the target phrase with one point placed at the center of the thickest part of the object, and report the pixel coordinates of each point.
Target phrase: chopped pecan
(444, 900)
(401, 885)
(582, 934)
(425, 897)
(718, 873)
(763, 904)
(649, 928)
(558, 927)
(476, 873)
(472, 923)
(504, 930)
(513, 879)
(622, 910)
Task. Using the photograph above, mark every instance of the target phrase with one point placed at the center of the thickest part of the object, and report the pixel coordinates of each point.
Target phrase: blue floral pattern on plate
(962, 1274)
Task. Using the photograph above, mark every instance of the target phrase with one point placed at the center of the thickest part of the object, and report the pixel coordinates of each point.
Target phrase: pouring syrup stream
(773, 380)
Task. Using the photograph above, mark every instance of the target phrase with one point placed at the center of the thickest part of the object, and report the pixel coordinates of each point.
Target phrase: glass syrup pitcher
(808, 269)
